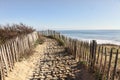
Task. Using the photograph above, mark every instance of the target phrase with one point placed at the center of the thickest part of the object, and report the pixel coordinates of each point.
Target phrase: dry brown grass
(10, 31)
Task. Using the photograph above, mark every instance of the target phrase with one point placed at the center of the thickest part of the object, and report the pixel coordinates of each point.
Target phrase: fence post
(115, 65)
(104, 68)
(78, 51)
(93, 47)
(75, 48)
(109, 65)
(101, 60)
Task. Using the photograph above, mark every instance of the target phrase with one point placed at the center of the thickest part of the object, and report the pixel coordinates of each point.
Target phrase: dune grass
(11, 31)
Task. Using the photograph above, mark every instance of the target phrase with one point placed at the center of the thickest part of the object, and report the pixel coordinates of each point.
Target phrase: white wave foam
(99, 41)
(102, 41)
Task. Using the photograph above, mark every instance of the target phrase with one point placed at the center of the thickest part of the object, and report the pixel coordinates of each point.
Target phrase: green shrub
(60, 42)
(83, 62)
(39, 41)
(98, 76)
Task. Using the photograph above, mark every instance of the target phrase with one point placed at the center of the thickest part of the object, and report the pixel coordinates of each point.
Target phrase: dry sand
(24, 68)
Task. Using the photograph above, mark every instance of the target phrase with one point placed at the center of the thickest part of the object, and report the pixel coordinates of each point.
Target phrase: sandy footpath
(48, 62)
(24, 68)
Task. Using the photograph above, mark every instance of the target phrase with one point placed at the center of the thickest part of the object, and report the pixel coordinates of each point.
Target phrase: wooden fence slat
(10, 53)
(76, 56)
(98, 54)
(101, 61)
(75, 47)
(80, 57)
(2, 75)
(5, 59)
(92, 55)
(115, 65)
(85, 52)
(22, 47)
(8, 56)
(15, 49)
(19, 48)
(109, 65)
(105, 62)
(13, 52)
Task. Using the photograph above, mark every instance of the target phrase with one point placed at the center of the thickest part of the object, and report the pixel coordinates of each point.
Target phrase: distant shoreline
(101, 36)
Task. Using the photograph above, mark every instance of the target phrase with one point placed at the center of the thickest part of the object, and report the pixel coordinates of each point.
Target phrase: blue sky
(62, 14)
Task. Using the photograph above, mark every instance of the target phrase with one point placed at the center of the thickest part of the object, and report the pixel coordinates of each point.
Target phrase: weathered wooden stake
(109, 65)
(115, 65)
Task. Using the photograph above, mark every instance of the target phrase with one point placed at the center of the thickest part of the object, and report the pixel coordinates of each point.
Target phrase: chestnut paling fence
(100, 60)
(11, 51)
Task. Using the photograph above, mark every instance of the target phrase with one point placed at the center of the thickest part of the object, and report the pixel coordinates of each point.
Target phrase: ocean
(101, 36)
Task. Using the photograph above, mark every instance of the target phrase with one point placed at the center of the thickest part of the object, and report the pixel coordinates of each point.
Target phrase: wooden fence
(13, 50)
(102, 61)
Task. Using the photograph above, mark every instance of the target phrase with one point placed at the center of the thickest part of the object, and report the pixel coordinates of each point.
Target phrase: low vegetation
(98, 76)
(60, 42)
(10, 31)
(39, 41)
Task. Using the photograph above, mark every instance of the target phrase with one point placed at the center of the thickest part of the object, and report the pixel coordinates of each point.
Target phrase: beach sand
(25, 67)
